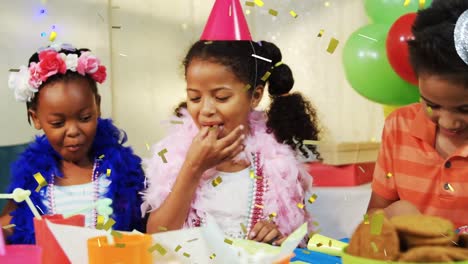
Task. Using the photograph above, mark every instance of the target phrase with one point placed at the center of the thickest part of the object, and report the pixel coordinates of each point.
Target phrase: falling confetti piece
(116, 27)
(422, 3)
(266, 76)
(450, 187)
(162, 228)
(108, 172)
(118, 245)
(247, 87)
(244, 229)
(8, 226)
(389, 175)
(177, 248)
(310, 142)
(13, 70)
(377, 223)
(385, 252)
(320, 34)
(367, 37)
(52, 36)
(147, 146)
(259, 3)
(366, 219)
(123, 55)
(187, 255)
(361, 169)
(329, 243)
(407, 2)
(261, 58)
(313, 198)
(332, 45)
(429, 110)
(252, 174)
(305, 252)
(208, 42)
(99, 242)
(300, 205)
(109, 224)
(158, 248)
(116, 234)
(293, 14)
(278, 64)
(213, 256)
(192, 240)
(248, 3)
(319, 244)
(228, 241)
(217, 181)
(161, 154)
(259, 206)
(273, 12)
(272, 215)
(40, 180)
(315, 223)
(100, 222)
(101, 157)
(374, 247)
(177, 122)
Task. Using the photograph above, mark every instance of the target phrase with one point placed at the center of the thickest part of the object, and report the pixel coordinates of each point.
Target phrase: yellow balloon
(388, 109)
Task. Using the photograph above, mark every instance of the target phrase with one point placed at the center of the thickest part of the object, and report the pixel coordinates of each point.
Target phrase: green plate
(349, 259)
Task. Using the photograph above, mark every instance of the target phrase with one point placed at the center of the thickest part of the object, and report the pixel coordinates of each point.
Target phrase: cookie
(423, 225)
(417, 241)
(434, 254)
(384, 246)
(463, 240)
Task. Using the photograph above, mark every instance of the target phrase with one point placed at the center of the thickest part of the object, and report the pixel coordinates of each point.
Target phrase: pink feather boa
(288, 179)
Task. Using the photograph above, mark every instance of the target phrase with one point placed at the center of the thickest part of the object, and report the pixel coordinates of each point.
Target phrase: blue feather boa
(126, 175)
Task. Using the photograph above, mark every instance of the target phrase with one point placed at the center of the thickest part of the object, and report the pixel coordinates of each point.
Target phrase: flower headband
(25, 82)
(461, 36)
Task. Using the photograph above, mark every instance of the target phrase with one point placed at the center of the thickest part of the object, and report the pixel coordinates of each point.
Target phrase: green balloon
(368, 71)
(388, 11)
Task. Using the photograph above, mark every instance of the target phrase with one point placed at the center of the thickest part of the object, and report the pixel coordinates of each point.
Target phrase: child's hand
(266, 232)
(401, 207)
(207, 151)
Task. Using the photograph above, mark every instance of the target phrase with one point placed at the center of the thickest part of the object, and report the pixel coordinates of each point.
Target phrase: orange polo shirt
(418, 174)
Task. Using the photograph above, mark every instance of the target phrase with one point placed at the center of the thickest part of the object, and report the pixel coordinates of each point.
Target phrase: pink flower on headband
(100, 75)
(35, 75)
(50, 64)
(87, 63)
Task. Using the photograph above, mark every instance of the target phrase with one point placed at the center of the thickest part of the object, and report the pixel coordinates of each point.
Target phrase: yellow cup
(129, 249)
(326, 245)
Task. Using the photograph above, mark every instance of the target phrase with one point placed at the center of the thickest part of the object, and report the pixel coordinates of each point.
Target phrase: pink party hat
(226, 22)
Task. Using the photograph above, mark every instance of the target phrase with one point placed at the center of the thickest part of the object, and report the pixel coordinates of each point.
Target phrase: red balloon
(397, 47)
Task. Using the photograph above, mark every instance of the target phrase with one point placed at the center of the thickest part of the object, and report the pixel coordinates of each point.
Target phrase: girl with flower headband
(242, 166)
(423, 162)
(81, 157)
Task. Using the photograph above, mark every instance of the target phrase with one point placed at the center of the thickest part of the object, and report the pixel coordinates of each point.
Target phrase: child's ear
(257, 96)
(35, 119)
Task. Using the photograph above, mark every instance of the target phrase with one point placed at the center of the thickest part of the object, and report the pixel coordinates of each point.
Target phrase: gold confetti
(248, 3)
(52, 36)
(177, 248)
(14, 70)
(389, 175)
(259, 206)
(108, 172)
(244, 229)
(300, 205)
(366, 219)
(192, 240)
(187, 255)
(377, 223)
(374, 247)
(161, 154)
(272, 215)
(450, 187)
(266, 76)
(116, 27)
(422, 3)
(8, 226)
(252, 174)
(315, 223)
(319, 244)
(101, 157)
(361, 169)
(147, 146)
(407, 2)
(162, 228)
(429, 111)
(228, 241)
(40, 180)
(310, 142)
(261, 58)
(119, 245)
(116, 234)
(217, 181)
(247, 87)
(313, 198)
(100, 222)
(159, 248)
(273, 12)
(213, 256)
(329, 243)
(208, 42)
(293, 14)
(320, 34)
(278, 64)
(109, 224)
(259, 3)
(332, 45)
(177, 122)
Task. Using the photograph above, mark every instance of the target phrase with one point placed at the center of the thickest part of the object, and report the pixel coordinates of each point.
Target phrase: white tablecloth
(339, 210)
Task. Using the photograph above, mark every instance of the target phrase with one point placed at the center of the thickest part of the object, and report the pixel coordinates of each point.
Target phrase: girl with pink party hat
(242, 166)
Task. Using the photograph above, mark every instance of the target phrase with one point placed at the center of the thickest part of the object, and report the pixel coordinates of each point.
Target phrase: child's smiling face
(67, 112)
(216, 97)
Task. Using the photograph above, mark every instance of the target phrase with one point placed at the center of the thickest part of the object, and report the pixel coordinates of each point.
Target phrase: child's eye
(85, 118)
(56, 124)
(195, 99)
(222, 99)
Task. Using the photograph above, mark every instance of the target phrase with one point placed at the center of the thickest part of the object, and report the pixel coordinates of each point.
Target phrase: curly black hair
(67, 77)
(291, 117)
(433, 50)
